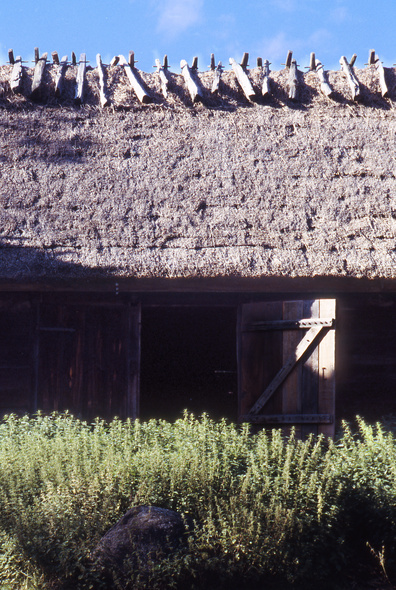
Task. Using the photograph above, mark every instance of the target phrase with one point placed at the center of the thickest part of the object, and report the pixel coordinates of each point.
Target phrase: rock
(141, 538)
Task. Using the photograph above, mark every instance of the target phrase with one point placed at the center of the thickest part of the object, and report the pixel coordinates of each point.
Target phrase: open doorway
(188, 361)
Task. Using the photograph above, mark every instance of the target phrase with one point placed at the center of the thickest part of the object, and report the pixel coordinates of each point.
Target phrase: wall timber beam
(103, 93)
(352, 80)
(193, 86)
(242, 77)
(38, 76)
(140, 92)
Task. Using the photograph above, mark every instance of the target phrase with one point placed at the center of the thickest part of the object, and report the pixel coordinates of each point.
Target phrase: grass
(266, 510)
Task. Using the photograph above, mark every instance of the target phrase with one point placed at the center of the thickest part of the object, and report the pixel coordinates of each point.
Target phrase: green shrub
(264, 508)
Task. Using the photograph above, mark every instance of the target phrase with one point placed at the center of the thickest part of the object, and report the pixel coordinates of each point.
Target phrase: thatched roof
(220, 189)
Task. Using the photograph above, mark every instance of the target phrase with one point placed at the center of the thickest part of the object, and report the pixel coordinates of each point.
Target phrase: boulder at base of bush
(138, 541)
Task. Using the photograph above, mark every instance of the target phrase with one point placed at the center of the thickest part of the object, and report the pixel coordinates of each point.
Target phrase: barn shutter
(286, 365)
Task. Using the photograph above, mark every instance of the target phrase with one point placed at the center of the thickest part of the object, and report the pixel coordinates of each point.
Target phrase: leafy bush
(264, 508)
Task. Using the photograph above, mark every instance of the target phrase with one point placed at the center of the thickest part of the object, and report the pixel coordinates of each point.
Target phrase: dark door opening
(188, 361)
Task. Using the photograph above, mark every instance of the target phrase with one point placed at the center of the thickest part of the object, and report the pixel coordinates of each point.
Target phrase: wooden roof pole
(80, 82)
(103, 94)
(325, 87)
(38, 73)
(193, 87)
(137, 87)
(352, 80)
(60, 74)
(163, 75)
(242, 77)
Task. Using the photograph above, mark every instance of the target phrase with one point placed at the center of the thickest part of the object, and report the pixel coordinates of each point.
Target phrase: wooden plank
(290, 324)
(352, 80)
(310, 340)
(216, 78)
(164, 77)
(194, 88)
(16, 75)
(103, 93)
(325, 419)
(259, 356)
(381, 74)
(309, 376)
(325, 87)
(243, 80)
(326, 403)
(140, 92)
(293, 81)
(60, 75)
(80, 82)
(133, 360)
(291, 388)
(266, 84)
(38, 76)
(11, 59)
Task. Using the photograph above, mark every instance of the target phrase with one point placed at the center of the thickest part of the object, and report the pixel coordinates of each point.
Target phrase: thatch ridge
(219, 189)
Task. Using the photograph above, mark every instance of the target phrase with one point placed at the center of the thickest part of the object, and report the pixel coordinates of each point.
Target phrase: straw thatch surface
(224, 188)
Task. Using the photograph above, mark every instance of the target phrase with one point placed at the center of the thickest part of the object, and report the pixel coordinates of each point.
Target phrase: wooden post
(55, 57)
(36, 55)
(293, 81)
(103, 95)
(60, 74)
(11, 57)
(137, 87)
(381, 74)
(259, 62)
(131, 59)
(114, 61)
(194, 89)
(326, 404)
(16, 75)
(312, 62)
(163, 76)
(38, 75)
(245, 59)
(73, 58)
(372, 57)
(352, 80)
(80, 82)
(194, 65)
(291, 390)
(324, 83)
(266, 85)
(289, 59)
(243, 79)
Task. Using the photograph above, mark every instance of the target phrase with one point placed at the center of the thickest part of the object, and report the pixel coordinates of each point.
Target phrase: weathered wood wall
(79, 352)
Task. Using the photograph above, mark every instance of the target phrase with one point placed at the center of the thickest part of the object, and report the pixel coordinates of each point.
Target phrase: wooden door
(89, 359)
(286, 365)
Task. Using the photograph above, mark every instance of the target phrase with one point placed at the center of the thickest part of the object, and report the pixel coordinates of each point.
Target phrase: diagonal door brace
(310, 340)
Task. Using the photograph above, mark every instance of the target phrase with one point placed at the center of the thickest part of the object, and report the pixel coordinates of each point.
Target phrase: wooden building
(226, 256)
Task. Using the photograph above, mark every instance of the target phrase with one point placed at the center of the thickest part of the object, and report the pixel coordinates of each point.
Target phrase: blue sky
(184, 28)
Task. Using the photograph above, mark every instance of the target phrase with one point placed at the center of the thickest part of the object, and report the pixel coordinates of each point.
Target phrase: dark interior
(188, 361)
